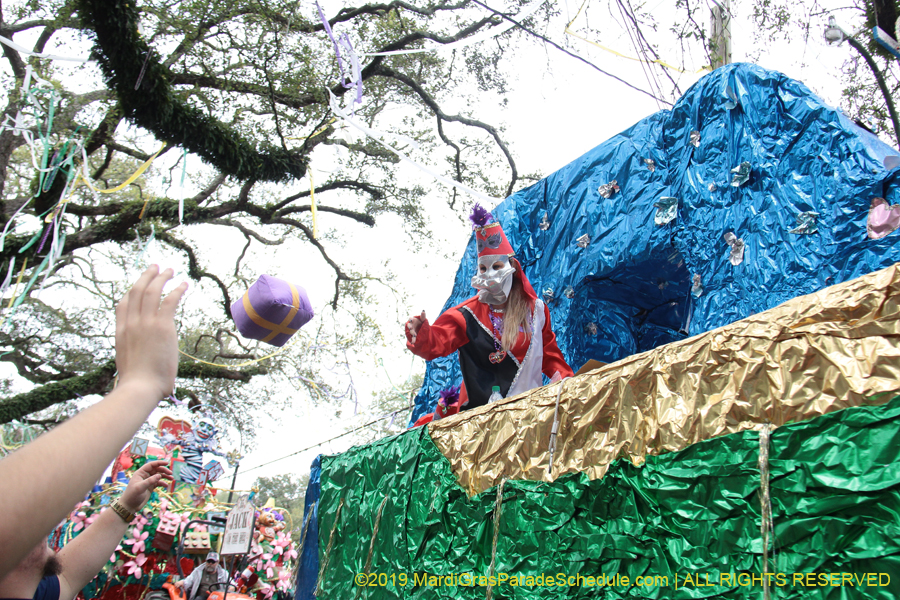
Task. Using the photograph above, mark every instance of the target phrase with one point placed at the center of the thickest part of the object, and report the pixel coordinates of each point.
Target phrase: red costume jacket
(468, 328)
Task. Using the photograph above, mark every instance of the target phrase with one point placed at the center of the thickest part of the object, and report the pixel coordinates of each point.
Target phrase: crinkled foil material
(810, 356)
(683, 519)
(634, 280)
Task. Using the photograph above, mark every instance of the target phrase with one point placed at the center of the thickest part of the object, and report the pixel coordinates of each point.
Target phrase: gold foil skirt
(812, 355)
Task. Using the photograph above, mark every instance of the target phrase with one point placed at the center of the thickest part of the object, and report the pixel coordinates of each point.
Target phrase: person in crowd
(44, 479)
(46, 575)
(204, 579)
(503, 333)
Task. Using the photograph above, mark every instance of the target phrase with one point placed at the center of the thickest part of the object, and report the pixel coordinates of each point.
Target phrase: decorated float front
(729, 265)
(182, 522)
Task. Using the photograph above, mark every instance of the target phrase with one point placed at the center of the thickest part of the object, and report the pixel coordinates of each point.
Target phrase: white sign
(239, 527)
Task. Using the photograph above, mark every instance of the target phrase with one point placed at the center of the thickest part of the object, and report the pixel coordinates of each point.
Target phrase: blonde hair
(518, 315)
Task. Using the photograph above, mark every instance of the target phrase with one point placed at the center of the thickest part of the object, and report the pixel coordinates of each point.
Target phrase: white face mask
(493, 284)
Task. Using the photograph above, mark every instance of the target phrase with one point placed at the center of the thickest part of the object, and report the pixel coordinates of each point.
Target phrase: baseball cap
(212, 556)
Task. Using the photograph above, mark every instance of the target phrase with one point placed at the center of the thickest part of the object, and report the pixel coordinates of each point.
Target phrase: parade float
(182, 522)
(725, 272)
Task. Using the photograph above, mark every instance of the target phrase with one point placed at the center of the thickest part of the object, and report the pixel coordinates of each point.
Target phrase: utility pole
(720, 38)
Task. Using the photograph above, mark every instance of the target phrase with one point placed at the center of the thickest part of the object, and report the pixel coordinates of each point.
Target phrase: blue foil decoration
(696, 286)
(695, 139)
(608, 189)
(807, 157)
(731, 101)
(741, 174)
(544, 225)
(666, 210)
(807, 223)
(736, 256)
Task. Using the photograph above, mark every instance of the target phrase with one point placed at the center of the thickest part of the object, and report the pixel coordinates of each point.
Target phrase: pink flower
(280, 544)
(266, 589)
(284, 580)
(78, 519)
(93, 517)
(134, 566)
(264, 563)
(112, 558)
(284, 546)
(137, 542)
(164, 506)
(270, 565)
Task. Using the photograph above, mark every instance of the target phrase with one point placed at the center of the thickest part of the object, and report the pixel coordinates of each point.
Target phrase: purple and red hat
(489, 236)
(490, 240)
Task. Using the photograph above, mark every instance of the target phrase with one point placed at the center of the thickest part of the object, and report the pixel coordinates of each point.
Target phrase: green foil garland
(835, 490)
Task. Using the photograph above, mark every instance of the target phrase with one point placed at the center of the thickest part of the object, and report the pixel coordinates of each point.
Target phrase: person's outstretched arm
(84, 556)
(431, 340)
(43, 480)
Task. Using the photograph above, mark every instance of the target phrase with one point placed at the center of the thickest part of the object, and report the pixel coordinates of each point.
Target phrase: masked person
(502, 333)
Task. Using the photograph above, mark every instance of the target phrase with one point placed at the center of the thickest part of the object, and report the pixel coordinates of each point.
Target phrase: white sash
(529, 374)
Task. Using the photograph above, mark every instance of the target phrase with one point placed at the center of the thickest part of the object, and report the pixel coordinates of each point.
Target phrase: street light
(835, 34)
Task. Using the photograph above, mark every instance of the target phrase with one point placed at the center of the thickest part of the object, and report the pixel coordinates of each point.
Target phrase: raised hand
(142, 484)
(146, 341)
(413, 325)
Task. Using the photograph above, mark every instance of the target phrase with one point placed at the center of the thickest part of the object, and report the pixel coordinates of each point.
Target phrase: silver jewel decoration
(696, 286)
(695, 139)
(666, 210)
(548, 293)
(569, 292)
(807, 223)
(741, 174)
(651, 164)
(591, 328)
(608, 189)
(583, 241)
(737, 248)
(544, 225)
(711, 187)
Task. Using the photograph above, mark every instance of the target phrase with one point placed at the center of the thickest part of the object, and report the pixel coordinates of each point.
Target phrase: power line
(646, 43)
(651, 80)
(361, 427)
(560, 48)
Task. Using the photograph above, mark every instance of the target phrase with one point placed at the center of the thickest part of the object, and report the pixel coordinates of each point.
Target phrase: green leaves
(141, 83)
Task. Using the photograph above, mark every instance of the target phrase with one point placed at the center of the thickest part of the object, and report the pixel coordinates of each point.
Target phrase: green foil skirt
(683, 525)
